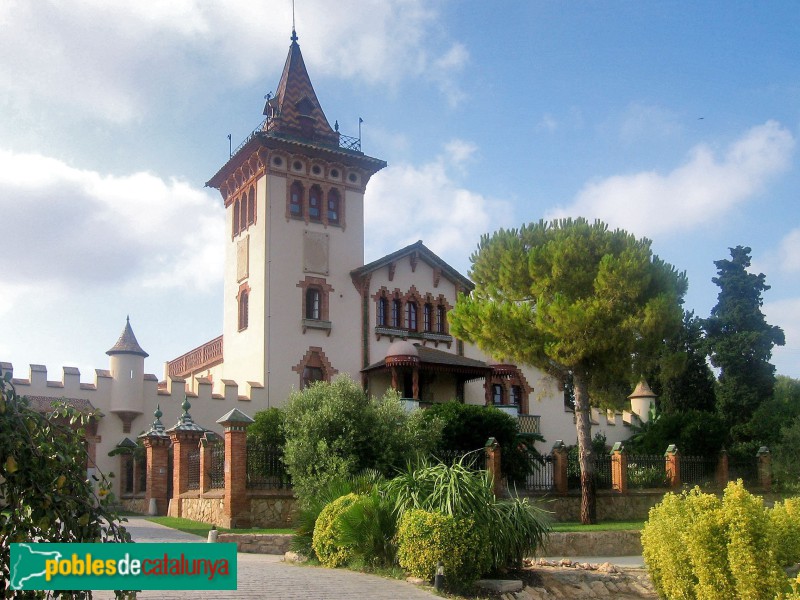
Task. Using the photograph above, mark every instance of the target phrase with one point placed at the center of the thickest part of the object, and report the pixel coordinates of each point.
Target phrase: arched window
(315, 203)
(383, 306)
(333, 206)
(396, 313)
(313, 303)
(411, 316)
(497, 393)
(311, 375)
(427, 316)
(251, 207)
(235, 217)
(243, 309)
(516, 395)
(243, 213)
(441, 319)
(296, 200)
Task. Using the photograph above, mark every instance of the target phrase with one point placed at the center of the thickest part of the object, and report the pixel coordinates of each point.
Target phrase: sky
(676, 121)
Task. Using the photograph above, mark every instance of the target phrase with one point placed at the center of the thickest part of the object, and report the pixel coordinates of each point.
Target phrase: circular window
(277, 161)
(352, 177)
(297, 165)
(334, 172)
(316, 170)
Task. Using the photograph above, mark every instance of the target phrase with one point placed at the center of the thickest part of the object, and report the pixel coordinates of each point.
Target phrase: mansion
(301, 305)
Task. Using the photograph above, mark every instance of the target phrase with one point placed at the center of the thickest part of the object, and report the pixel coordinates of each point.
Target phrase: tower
(294, 200)
(126, 364)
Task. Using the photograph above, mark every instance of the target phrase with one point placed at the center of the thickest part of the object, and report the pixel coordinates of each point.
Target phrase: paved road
(265, 576)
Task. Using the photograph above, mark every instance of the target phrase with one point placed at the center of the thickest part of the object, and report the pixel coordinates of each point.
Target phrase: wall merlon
(231, 390)
(38, 376)
(257, 393)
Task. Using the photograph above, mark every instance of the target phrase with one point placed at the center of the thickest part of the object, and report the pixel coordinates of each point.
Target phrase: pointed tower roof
(127, 344)
(295, 110)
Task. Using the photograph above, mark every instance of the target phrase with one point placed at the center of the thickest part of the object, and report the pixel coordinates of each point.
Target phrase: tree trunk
(583, 424)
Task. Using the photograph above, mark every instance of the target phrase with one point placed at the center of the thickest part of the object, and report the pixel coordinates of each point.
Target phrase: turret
(127, 372)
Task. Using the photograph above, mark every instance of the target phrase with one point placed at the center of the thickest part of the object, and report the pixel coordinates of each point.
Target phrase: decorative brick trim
(324, 189)
(325, 290)
(507, 381)
(243, 306)
(315, 357)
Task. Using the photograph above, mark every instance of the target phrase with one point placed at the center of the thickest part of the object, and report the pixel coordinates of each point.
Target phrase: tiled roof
(438, 359)
(296, 102)
(127, 344)
(44, 404)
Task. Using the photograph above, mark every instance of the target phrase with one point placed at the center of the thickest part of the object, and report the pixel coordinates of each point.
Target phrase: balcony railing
(194, 360)
(346, 142)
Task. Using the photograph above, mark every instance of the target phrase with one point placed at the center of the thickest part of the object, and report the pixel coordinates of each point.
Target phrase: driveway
(266, 576)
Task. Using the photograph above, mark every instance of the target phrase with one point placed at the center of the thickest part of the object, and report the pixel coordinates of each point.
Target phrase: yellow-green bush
(326, 531)
(698, 547)
(424, 538)
(785, 518)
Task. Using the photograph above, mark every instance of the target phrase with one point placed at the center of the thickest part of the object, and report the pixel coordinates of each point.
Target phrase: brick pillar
(493, 466)
(764, 468)
(185, 436)
(619, 468)
(183, 442)
(236, 511)
(560, 459)
(721, 473)
(673, 466)
(156, 443)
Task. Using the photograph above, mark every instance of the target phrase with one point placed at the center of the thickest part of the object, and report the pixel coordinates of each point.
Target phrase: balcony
(202, 357)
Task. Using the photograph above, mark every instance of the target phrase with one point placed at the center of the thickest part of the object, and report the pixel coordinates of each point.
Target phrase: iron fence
(541, 477)
(745, 469)
(216, 471)
(193, 469)
(141, 464)
(647, 471)
(265, 468)
(697, 470)
(602, 471)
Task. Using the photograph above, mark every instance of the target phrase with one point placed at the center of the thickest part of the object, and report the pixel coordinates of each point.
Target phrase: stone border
(593, 543)
(259, 543)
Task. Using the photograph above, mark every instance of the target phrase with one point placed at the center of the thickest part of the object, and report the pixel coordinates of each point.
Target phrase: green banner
(123, 566)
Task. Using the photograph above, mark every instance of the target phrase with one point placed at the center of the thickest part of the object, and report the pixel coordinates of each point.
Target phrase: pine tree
(740, 341)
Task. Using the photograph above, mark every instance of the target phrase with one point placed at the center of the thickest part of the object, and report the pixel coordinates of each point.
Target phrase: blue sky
(677, 121)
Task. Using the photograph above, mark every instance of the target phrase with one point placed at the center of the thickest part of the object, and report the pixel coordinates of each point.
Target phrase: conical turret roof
(127, 344)
(295, 110)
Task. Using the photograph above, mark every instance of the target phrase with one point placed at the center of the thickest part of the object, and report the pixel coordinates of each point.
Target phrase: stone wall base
(259, 543)
(593, 543)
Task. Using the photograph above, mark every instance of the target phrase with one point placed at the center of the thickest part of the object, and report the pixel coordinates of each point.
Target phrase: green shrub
(268, 427)
(424, 538)
(730, 545)
(367, 527)
(333, 430)
(325, 544)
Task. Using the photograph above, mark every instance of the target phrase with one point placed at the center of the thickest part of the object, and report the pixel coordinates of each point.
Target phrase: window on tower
(333, 206)
(315, 203)
(313, 303)
(244, 296)
(235, 218)
(251, 207)
(296, 199)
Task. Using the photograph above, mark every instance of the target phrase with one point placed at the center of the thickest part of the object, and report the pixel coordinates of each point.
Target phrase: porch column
(415, 382)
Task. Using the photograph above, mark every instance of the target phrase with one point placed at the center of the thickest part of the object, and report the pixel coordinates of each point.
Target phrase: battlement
(69, 385)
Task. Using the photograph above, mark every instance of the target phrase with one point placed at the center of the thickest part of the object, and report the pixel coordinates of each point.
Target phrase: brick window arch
(513, 387)
(315, 302)
(315, 203)
(314, 366)
(296, 199)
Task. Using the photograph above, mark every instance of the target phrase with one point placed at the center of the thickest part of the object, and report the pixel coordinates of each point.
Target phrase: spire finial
(294, 33)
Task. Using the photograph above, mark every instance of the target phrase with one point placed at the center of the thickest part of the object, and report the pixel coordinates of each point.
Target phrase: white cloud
(115, 60)
(405, 203)
(547, 123)
(789, 252)
(698, 192)
(74, 228)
